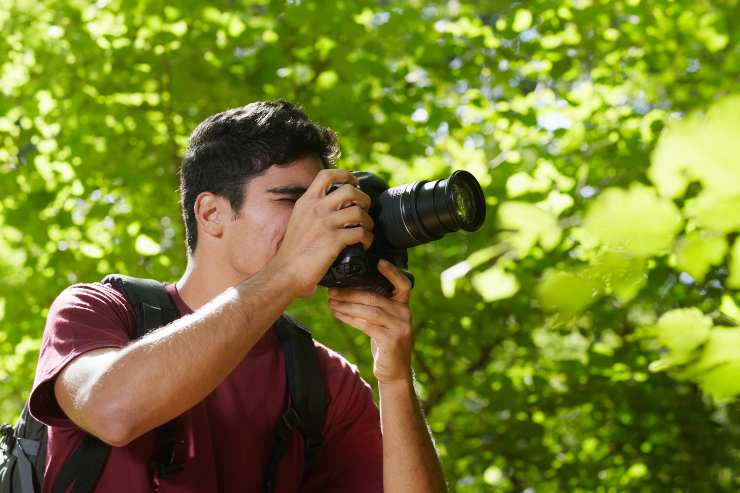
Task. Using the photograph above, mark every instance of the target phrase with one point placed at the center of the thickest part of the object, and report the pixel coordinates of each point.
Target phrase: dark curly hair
(230, 148)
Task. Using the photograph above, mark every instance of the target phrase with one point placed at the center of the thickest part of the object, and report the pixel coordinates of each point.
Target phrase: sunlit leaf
(495, 284)
(714, 212)
(634, 221)
(91, 250)
(718, 368)
(522, 20)
(145, 245)
(567, 291)
(703, 148)
(733, 281)
(683, 330)
(531, 226)
(697, 252)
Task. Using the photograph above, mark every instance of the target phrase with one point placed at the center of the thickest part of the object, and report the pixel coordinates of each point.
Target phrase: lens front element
(425, 211)
(467, 200)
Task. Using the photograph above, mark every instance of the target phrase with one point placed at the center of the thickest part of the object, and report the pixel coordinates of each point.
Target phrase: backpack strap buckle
(7, 438)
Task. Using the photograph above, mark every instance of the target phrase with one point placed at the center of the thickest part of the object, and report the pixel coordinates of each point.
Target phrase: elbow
(111, 424)
(115, 437)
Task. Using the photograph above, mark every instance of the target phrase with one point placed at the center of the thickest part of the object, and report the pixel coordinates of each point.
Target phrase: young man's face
(255, 236)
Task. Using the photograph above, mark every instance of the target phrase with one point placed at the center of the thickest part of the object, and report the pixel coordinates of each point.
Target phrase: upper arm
(75, 385)
(84, 321)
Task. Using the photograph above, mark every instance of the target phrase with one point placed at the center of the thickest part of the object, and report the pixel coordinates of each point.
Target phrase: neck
(203, 280)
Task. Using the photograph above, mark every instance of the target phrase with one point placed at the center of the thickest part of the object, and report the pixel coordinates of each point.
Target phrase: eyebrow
(288, 190)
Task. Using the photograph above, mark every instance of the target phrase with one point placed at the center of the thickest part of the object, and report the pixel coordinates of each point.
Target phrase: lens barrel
(425, 211)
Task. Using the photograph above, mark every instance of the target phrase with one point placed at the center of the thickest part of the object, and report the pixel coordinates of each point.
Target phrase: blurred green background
(585, 339)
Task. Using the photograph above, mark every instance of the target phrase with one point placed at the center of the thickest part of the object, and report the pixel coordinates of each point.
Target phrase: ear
(211, 213)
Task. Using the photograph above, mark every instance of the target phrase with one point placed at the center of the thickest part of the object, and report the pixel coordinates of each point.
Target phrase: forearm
(173, 368)
(410, 462)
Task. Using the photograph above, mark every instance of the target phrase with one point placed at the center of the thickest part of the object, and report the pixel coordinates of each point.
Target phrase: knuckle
(365, 199)
(368, 220)
(406, 332)
(354, 235)
(405, 312)
(404, 327)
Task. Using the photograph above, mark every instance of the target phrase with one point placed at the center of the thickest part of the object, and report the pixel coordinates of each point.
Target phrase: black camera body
(405, 216)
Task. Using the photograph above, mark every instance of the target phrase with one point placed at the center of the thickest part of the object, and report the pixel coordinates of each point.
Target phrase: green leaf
(713, 212)
(700, 148)
(683, 330)
(145, 245)
(495, 284)
(91, 250)
(733, 280)
(620, 275)
(634, 221)
(698, 251)
(567, 292)
(718, 369)
(730, 308)
(522, 20)
(493, 476)
(531, 226)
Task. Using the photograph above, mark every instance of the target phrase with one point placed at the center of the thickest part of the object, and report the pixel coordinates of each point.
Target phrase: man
(260, 230)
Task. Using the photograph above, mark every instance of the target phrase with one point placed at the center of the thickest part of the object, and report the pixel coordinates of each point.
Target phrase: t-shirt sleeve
(351, 457)
(82, 318)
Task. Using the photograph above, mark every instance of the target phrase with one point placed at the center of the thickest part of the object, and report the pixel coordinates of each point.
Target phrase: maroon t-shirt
(227, 436)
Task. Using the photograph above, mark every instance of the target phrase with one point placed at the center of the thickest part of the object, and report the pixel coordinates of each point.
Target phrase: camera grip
(355, 268)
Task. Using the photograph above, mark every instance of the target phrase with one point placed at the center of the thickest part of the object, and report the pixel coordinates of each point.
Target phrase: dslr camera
(406, 216)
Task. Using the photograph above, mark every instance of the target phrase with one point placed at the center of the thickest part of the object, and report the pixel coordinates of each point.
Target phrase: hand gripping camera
(406, 216)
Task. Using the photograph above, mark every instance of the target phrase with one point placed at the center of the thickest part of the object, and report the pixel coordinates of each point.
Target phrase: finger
(352, 216)
(373, 314)
(401, 283)
(365, 297)
(325, 178)
(400, 311)
(358, 234)
(347, 194)
(368, 328)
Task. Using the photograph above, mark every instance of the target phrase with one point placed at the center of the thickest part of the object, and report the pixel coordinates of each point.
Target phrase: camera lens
(467, 200)
(424, 211)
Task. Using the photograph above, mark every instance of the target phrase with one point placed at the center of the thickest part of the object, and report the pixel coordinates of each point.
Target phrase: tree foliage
(586, 339)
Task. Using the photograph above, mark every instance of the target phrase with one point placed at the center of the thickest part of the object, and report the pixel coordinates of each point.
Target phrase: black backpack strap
(308, 396)
(153, 308)
(83, 467)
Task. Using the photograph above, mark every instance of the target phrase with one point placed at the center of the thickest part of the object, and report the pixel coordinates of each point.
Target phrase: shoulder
(91, 292)
(350, 395)
(85, 302)
(83, 317)
(336, 366)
